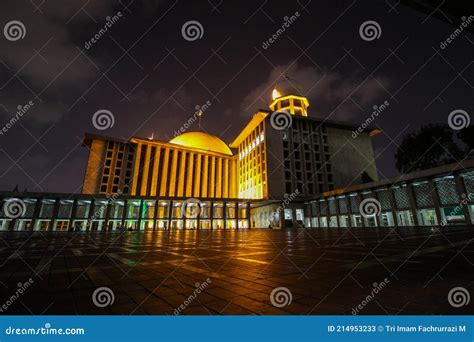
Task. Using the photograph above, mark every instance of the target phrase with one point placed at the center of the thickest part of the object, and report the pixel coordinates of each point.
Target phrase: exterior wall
(443, 199)
(72, 212)
(300, 158)
(145, 168)
(252, 165)
(276, 174)
(164, 170)
(350, 157)
(94, 167)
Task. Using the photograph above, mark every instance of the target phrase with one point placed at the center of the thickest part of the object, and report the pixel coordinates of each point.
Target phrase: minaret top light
(293, 104)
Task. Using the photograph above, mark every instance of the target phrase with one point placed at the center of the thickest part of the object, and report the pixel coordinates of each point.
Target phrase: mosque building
(286, 168)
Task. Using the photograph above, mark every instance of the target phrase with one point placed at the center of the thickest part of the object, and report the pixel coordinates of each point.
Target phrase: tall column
(174, 166)
(192, 174)
(180, 191)
(136, 168)
(413, 206)
(91, 214)
(170, 214)
(219, 162)
(211, 214)
(393, 204)
(124, 213)
(205, 177)
(154, 176)
(145, 171)
(435, 199)
(248, 215)
(155, 214)
(164, 173)
(226, 178)
(336, 202)
(54, 216)
(107, 215)
(197, 176)
(464, 196)
(36, 212)
(212, 183)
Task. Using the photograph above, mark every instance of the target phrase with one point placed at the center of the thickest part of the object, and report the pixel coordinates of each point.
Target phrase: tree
(467, 137)
(430, 146)
(365, 178)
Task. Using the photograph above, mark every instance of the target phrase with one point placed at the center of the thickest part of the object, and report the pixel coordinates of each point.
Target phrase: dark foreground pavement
(324, 271)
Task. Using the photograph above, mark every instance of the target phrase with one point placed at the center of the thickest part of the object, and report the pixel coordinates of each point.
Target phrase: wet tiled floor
(325, 271)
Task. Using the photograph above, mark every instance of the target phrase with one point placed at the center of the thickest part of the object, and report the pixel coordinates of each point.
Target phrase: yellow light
(275, 94)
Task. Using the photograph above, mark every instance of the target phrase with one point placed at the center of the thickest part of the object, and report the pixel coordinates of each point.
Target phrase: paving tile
(327, 271)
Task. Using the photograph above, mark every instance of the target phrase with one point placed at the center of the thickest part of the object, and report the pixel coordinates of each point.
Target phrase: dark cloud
(329, 92)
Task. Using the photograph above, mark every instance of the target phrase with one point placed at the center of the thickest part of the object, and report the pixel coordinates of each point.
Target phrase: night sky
(151, 78)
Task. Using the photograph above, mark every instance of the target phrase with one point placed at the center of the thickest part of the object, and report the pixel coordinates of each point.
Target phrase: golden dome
(202, 141)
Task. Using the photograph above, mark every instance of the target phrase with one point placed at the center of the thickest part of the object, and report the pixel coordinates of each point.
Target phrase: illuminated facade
(266, 161)
(144, 184)
(193, 164)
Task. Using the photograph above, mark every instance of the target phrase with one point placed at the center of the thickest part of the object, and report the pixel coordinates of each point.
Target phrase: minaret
(293, 104)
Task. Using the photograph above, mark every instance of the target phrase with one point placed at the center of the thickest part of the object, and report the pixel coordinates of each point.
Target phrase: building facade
(284, 169)
(441, 196)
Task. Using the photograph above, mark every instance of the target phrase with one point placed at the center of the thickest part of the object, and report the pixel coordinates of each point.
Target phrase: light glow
(275, 94)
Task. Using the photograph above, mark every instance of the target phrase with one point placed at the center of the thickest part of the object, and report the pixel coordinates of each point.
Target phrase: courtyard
(323, 271)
